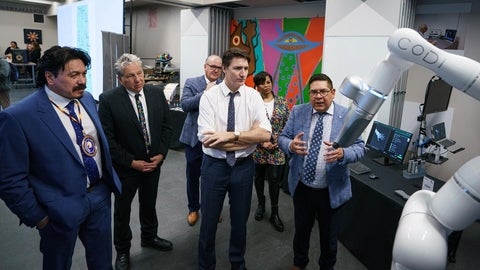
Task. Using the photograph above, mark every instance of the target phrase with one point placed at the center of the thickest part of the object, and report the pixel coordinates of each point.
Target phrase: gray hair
(125, 60)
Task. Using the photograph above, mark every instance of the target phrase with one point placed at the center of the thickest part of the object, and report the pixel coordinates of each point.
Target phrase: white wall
(13, 23)
(156, 30)
(81, 25)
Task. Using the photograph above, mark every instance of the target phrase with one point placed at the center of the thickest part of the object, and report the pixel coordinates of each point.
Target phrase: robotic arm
(406, 47)
(427, 218)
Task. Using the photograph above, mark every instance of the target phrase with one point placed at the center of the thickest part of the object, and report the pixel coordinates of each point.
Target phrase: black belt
(240, 159)
(312, 188)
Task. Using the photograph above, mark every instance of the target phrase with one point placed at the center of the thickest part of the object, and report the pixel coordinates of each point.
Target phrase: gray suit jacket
(338, 175)
(192, 92)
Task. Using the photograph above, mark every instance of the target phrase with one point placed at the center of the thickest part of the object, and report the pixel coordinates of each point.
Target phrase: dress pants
(147, 186)
(309, 204)
(218, 178)
(194, 157)
(94, 231)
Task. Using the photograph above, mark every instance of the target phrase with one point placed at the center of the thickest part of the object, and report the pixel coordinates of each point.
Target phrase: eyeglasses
(214, 67)
(321, 93)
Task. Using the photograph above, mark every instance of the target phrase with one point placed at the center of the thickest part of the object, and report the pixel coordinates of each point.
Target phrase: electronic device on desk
(439, 136)
(389, 142)
(437, 96)
(450, 35)
(358, 168)
(19, 56)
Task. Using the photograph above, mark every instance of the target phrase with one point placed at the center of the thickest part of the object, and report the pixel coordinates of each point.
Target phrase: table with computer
(384, 176)
(379, 193)
(25, 68)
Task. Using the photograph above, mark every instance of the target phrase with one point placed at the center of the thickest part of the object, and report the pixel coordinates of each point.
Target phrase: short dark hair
(54, 60)
(234, 52)
(320, 77)
(261, 77)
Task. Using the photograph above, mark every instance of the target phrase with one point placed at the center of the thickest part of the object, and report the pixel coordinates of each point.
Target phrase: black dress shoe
(277, 223)
(158, 243)
(259, 212)
(122, 262)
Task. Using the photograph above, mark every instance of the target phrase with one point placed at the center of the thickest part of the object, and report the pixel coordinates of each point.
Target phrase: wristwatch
(237, 135)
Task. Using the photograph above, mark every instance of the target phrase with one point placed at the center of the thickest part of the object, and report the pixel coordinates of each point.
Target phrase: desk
(370, 218)
(27, 77)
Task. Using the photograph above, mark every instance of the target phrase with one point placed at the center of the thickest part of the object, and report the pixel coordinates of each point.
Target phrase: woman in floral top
(269, 159)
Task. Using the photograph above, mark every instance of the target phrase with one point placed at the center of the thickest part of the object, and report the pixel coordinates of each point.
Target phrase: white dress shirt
(213, 115)
(320, 180)
(131, 95)
(87, 124)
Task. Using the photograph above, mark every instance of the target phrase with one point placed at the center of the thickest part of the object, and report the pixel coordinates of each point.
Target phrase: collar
(132, 94)
(225, 90)
(329, 111)
(56, 98)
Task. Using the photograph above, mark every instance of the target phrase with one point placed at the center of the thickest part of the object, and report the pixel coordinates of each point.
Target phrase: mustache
(80, 87)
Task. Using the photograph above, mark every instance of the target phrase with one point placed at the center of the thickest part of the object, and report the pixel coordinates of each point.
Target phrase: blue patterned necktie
(88, 161)
(314, 149)
(231, 126)
(143, 123)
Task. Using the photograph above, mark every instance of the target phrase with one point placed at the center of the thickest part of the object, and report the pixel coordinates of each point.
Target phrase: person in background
(33, 52)
(268, 157)
(13, 46)
(423, 31)
(319, 179)
(231, 122)
(136, 120)
(58, 176)
(192, 92)
(5, 84)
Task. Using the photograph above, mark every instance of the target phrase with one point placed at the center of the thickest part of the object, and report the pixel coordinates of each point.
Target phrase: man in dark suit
(136, 120)
(192, 92)
(319, 179)
(56, 171)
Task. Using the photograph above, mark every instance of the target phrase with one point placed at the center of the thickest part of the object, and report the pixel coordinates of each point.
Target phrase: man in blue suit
(319, 179)
(192, 92)
(57, 173)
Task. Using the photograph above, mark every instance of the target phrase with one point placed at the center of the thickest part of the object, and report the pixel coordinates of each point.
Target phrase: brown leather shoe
(297, 268)
(192, 218)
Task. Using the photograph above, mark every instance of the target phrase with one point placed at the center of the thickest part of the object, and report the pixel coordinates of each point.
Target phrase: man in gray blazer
(319, 179)
(192, 92)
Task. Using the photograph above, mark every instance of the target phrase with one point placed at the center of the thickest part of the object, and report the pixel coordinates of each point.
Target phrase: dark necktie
(143, 123)
(87, 148)
(231, 126)
(311, 163)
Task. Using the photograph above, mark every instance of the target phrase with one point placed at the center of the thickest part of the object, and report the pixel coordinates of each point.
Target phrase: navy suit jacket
(192, 92)
(41, 173)
(338, 175)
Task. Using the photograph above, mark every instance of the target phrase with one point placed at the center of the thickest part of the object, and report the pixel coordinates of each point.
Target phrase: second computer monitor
(437, 96)
(389, 142)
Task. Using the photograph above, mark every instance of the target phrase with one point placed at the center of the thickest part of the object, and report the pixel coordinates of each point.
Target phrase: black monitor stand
(384, 161)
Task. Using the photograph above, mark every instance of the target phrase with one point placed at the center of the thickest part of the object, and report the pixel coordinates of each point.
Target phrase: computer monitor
(450, 34)
(19, 56)
(437, 96)
(389, 142)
